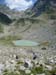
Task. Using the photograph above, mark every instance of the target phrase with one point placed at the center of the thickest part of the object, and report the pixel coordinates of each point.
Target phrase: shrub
(1, 28)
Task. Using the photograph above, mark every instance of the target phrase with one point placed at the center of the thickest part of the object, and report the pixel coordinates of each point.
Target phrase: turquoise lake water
(24, 43)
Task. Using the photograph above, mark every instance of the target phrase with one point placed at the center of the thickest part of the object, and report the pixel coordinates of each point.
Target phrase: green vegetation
(22, 73)
(29, 20)
(51, 13)
(37, 70)
(4, 19)
(7, 40)
(49, 10)
(52, 72)
(20, 22)
(10, 73)
(1, 28)
(19, 62)
(52, 16)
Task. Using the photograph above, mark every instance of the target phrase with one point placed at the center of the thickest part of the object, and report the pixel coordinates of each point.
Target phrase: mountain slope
(37, 23)
(42, 6)
(12, 13)
(5, 19)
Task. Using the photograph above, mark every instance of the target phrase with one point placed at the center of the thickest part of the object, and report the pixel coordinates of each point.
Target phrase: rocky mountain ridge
(42, 6)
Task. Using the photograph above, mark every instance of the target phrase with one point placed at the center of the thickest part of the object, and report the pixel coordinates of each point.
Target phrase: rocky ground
(27, 61)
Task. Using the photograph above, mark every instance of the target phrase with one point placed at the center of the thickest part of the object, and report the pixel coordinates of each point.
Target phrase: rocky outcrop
(41, 6)
(4, 18)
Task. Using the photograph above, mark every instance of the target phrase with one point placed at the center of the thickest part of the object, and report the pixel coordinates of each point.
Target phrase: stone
(28, 63)
(1, 68)
(41, 74)
(16, 57)
(34, 57)
(27, 71)
(17, 72)
(48, 67)
(43, 48)
(32, 74)
(10, 65)
(22, 68)
(12, 61)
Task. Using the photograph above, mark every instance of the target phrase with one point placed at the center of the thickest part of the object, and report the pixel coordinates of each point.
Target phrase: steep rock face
(4, 18)
(42, 5)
